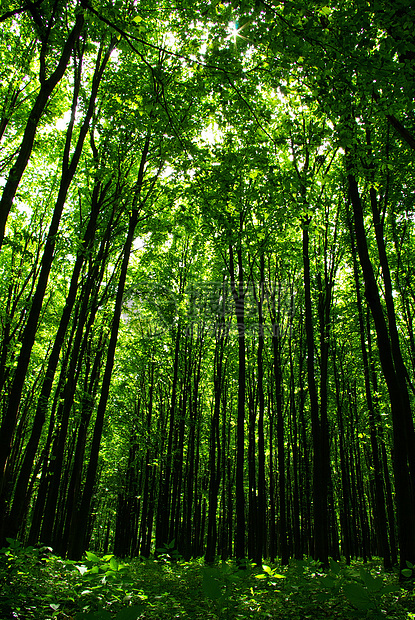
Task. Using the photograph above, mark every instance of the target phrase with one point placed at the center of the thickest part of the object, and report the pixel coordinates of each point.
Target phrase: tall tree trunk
(83, 322)
(146, 510)
(28, 338)
(380, 511)
(20, 491)
(383, 456)
(79, 523)
(215, 455)
(345, 501)
(252, 484)
(194, 432)
(239, 299)
(261, 524)
(320, 482)
(281, 457)
(46, 88)
(87, 405)
(403, 432)
(272, 547)
(307, 543)
(163, 505)
(298, 554)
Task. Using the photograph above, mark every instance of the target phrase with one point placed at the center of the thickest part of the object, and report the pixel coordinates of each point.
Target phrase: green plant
(217, 585)
(270, 573)
(104, 581)
(362, 590)
(409, 571)
(168, 553)
(129, 613)
(35, 584)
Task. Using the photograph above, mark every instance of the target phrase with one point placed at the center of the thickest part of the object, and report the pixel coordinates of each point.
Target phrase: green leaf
(373, 584)
(327, 581)
(334, 566)
(113, 564)
(91, 557)
(358, 596)
(406, 572)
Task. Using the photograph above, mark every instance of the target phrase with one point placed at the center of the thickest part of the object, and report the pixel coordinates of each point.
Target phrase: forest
(207, 292)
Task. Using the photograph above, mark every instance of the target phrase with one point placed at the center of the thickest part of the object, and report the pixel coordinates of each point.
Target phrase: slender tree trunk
(380, 511)
(239, 295)
(320, 486)
(272, 549)
(278, 382)
(29, 334)
(383, 456)
(307, 543)
(79, 523)
(261, 525)
(226, 534)
(20, 491)
(88, 399)
(345, 502)
(295, 452)
(403, 432)
(50, 528)
(163, 506)
(215, 456)
(252, 485)
(46, 89)
(148, 473)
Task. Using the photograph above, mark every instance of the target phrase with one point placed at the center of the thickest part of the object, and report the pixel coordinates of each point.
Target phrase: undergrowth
(35, 584)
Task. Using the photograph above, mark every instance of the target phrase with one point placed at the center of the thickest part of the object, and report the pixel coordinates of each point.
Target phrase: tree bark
(238, 293)
(26, 146)
(404, 450)
(320, 482)
(29, 334)
(79, 523)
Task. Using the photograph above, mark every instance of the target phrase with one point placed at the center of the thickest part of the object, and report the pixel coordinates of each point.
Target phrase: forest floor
(36, 584)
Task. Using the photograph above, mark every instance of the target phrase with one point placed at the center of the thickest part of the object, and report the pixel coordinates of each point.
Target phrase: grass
(35, 584)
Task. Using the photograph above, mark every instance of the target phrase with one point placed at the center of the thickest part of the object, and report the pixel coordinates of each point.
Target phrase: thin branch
(128, 37)
(27, 7)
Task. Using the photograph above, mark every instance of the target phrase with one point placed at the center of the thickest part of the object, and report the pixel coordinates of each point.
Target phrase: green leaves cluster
(37, 584)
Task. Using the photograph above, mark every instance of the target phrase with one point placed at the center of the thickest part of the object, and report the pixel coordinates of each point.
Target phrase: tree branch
(27, 7)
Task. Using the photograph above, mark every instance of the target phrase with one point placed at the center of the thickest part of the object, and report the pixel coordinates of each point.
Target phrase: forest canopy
(207, 278)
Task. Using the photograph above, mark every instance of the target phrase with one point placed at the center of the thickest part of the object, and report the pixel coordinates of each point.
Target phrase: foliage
(195, 163)
(35, 583)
